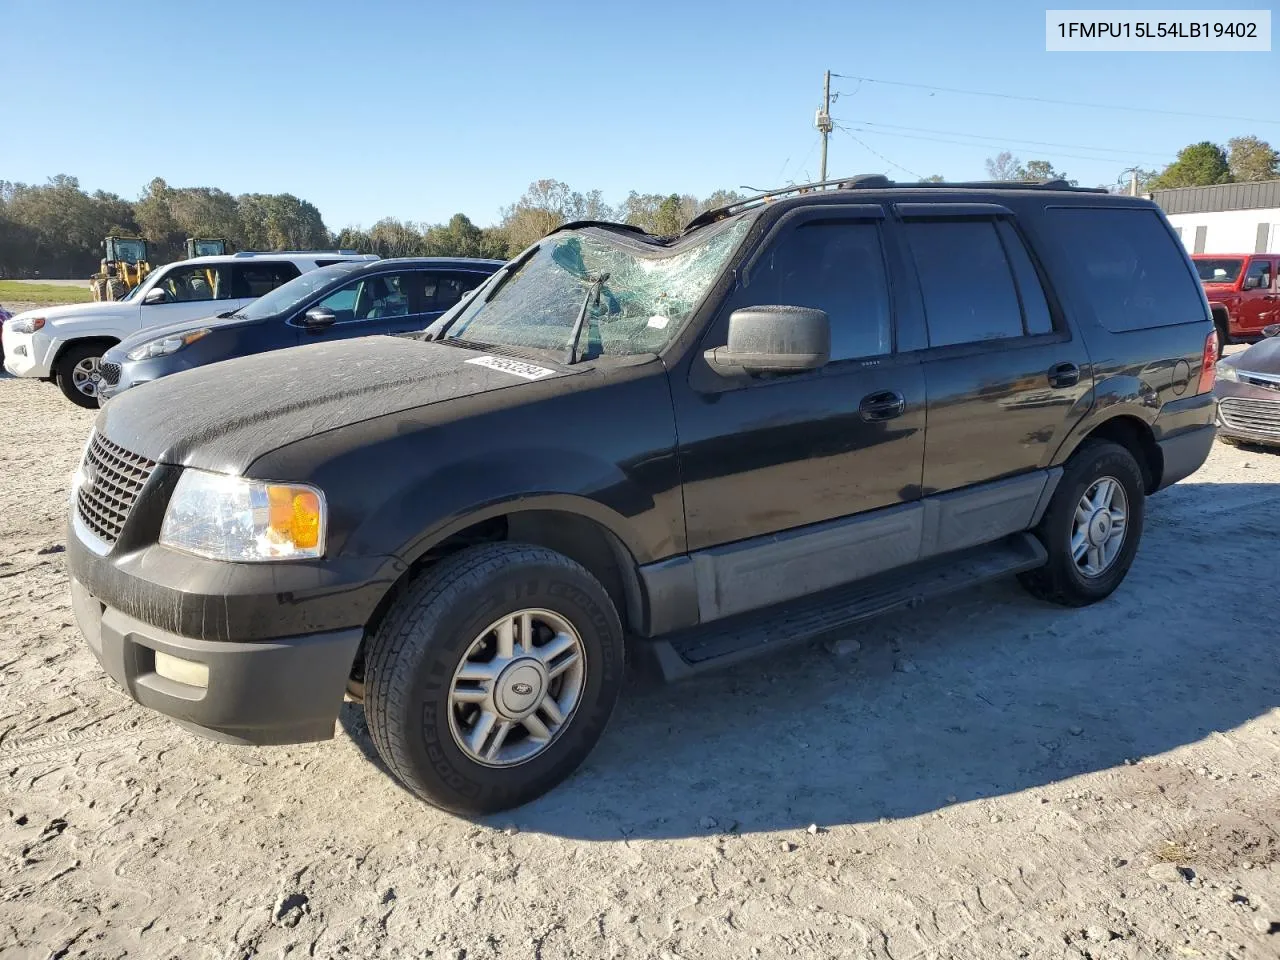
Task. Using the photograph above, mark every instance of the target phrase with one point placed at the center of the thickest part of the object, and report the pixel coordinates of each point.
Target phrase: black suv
(807, 409)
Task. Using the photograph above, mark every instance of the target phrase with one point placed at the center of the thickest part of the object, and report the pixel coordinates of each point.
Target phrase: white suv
(66, 344)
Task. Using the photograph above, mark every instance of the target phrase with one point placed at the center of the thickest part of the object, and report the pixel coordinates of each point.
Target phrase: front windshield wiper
(594, 285)
(506, 273)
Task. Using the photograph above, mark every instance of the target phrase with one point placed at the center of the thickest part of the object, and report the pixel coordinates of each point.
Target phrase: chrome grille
(1251, 416)
(109, 482)
(110, 372)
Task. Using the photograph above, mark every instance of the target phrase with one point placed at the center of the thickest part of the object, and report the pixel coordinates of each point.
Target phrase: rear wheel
(78, 374)
(1092, 526)
(98, 286)
(116, 289)
(492, 678)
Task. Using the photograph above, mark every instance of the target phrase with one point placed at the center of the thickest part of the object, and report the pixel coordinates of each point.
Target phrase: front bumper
(131, 373)
(281, 691)
(1248, 411)
(278, 639)
(27, 354)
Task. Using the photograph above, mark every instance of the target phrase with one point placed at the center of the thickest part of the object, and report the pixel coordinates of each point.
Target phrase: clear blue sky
(419, 110)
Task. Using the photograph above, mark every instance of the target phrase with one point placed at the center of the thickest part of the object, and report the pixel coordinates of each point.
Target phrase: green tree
(1198, 165)
(1250, 159)
(934, 178)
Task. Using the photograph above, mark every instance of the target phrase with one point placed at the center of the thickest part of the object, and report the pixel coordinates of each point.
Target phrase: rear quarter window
(1129, 267)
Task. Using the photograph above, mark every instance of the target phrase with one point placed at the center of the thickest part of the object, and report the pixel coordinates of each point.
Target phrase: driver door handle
(882, 405)
(1064, 375)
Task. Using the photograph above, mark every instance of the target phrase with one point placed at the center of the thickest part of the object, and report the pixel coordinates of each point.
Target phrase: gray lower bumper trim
(275, 691)
(1185, 453)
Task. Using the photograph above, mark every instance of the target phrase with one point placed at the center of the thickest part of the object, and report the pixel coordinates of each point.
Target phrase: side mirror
(156, 295)
(317, 318)
(1252, 283)
(774, 339)
(1271, 330)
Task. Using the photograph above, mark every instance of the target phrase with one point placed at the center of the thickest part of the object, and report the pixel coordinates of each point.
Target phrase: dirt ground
(987, 777)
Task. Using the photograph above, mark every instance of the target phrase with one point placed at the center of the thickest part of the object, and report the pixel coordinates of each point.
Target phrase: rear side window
(836, 266)
(1130, 269)
(255, 279)
(966, 281)
(443, 290)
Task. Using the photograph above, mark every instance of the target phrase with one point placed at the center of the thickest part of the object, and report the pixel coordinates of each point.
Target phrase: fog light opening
(182, 671)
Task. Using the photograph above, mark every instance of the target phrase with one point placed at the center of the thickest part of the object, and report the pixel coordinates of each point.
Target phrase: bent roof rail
(877, 181)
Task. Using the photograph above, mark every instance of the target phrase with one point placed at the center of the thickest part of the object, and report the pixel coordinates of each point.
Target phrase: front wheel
(78, 374)
(1091, 528)
(492, 678)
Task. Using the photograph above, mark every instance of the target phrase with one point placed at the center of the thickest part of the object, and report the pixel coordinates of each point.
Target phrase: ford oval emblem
(522, 689)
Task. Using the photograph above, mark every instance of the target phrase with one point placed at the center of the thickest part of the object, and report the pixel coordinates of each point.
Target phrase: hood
(1212, 290)
(72, 311)
(147, 334)
(1262, 357)
(223, 416)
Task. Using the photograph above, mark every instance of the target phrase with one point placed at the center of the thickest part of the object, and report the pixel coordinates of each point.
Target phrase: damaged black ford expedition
(807, 409)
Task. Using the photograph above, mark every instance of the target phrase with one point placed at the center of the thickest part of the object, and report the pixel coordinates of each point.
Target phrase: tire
(99, 288)
(1063, 580)
(116, 289)
(67, 375)
(414, 658)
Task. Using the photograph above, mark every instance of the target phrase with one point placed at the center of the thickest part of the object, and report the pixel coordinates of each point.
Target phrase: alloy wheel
(1099, 526)
(517, 687)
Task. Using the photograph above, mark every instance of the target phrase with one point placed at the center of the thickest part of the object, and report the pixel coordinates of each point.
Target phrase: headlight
(1226, 371)
(166, 345)
(231, 518)
(27, 325)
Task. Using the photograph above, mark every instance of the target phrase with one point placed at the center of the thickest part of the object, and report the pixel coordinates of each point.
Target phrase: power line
(1065, 103)
(983, 146)
(1004, 140)
(849, 133)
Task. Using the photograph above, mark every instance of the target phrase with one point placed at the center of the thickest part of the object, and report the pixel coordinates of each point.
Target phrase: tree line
(56, 229)
(1243, 160)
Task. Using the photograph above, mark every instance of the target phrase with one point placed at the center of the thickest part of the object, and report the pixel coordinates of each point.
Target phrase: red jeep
(1243, 291)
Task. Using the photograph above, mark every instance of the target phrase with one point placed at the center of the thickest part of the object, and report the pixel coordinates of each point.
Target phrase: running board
(743, 636)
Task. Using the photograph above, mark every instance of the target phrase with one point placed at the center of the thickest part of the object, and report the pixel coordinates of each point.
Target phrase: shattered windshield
(637, 296)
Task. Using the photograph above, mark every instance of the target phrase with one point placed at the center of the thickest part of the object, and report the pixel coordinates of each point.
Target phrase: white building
(1226, 218)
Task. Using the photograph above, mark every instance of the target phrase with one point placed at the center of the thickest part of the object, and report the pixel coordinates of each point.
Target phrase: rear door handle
(882, 405)
(1064, 375)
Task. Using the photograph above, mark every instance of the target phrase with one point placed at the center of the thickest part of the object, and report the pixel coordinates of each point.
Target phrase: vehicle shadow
(989, 693)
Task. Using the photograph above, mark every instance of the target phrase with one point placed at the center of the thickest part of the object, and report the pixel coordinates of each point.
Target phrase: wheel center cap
(1099, 528)
(520, 688)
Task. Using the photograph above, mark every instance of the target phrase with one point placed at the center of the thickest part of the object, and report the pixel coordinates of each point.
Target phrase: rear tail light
(1208, 362)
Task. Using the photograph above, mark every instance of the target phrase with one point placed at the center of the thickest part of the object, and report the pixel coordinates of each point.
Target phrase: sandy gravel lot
(990, 777)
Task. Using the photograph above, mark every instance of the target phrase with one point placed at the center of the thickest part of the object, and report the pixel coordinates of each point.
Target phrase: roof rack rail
(277, 253)
(878, 181)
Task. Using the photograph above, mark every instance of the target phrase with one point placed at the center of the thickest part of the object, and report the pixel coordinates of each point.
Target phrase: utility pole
(823, 122)
(1133, 182)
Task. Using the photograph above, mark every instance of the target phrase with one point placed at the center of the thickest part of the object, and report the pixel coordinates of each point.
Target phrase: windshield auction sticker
(1157, 31)
(514, 367)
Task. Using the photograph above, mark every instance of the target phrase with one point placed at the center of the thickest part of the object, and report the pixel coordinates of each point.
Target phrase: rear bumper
(1184, 432)
(287, 690)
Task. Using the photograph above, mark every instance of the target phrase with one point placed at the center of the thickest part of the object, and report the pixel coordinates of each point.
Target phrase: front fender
(457, 495)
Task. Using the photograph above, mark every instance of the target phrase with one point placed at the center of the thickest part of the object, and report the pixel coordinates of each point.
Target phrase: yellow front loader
(126, 262)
